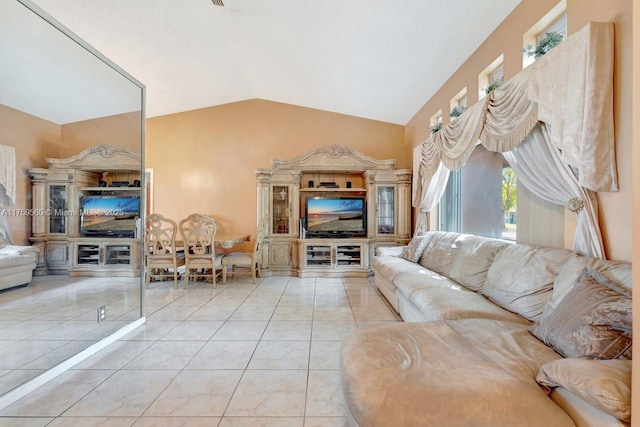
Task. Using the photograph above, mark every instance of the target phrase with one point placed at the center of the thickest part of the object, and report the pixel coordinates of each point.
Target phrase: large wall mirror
(58, 98)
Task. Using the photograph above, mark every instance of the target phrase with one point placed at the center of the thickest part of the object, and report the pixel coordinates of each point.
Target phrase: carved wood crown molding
(95, 158)
(335, 158)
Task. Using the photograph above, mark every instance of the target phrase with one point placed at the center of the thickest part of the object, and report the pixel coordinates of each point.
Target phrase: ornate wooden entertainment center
(100, 171)
(331, 172)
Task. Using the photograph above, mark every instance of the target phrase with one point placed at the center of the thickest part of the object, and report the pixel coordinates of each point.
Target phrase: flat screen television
(111, 216)
(336, 217)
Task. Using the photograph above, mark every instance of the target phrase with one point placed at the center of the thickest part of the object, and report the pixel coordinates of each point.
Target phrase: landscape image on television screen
(109, 214)
(330, 215)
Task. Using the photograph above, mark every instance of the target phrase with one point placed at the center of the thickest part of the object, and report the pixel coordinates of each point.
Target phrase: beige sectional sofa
(494, 336)
(16, 262)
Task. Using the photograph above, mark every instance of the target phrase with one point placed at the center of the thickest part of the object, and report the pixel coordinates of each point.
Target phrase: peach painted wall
(121, 129)
(615, 208)
(203, 160)
(35, 140)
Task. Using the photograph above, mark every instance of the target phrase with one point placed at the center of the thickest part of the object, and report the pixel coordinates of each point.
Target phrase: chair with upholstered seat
(161, 257)
(247, 260)
(198, 235)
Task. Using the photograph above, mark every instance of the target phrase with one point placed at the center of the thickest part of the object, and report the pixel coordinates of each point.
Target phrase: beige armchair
(198, 235)
(161, 256)
(250, 261)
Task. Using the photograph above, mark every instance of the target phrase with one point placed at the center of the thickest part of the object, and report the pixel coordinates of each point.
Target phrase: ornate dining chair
(247, 260)
(198, 233)
(161, 257)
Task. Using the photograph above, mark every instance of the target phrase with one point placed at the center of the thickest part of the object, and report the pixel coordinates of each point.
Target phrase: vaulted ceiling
(376, 59)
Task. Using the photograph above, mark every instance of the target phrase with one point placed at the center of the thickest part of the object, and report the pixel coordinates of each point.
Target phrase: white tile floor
(240, 355)
(54, 318)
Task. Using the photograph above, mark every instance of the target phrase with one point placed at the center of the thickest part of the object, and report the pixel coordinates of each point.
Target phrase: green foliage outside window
(493, 85)
(509, 186)
(547, 42)
(436, 127)
(457, 111)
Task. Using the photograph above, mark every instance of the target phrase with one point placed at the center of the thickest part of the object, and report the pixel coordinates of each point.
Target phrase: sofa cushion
(414, 250)
(439, 254)
(471, 264)
(593, 320)
(521, 278)
(392, 266)
(450, 373)
(408, 283)
(605, 384)
(459, 303)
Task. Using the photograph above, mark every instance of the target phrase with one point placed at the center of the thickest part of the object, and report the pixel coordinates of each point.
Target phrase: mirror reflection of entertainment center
(330, 209)
(92, 206)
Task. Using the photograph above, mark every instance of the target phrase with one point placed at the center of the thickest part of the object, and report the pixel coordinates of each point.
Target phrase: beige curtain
(539, 167)
(8, 172)
(430, 176)
(570, 89)
(573, 87)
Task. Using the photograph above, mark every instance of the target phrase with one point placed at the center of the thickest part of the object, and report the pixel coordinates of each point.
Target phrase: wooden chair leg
(148, 278)
(175, 275)
(224, 274)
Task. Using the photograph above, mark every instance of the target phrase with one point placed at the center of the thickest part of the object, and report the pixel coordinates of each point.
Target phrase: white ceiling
(34, 79)
(376, 59)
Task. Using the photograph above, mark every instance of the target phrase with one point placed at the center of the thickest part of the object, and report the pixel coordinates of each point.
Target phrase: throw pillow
(606, 384)
(593, 320)
(416, 246)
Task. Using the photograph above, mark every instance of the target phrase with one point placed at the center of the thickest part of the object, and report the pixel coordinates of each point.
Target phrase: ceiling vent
(218, 2)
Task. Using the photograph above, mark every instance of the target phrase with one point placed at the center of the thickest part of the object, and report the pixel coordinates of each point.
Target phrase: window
(554, 21)
(509, 203)
(492, 74)
(450, 213)
(558, 26)
(497, 75)
(458, 103)
(435, 122)
(484, 198)
(472, 199)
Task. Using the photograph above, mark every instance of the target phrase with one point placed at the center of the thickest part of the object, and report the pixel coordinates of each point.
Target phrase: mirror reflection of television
(109, 216)
(336, 217)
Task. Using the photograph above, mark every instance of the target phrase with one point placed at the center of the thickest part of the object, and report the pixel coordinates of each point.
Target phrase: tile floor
(55, 317)
(240, 355)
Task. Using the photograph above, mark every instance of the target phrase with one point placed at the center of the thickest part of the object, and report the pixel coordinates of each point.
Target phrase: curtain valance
(570, 89)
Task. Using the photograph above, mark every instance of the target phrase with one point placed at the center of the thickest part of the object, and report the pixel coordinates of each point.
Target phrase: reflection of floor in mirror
(239, 355)
(55, 317)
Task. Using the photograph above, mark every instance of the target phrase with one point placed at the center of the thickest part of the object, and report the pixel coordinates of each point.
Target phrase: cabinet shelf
(109, 188)
(332, 190)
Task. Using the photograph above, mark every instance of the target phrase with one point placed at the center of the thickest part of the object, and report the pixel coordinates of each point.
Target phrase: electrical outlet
(102, 313)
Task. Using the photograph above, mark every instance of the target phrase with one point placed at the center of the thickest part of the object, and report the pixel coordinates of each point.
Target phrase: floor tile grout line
(195, 354)
(260, 340)
(306, 388)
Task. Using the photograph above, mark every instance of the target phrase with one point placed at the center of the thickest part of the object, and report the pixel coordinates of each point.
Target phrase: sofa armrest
(390, 250)
(18, 250)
